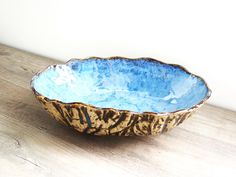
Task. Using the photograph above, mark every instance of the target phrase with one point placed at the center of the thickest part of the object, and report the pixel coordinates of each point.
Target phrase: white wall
(201, 35)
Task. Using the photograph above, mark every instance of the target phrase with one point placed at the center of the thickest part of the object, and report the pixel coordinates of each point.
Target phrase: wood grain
(33, 144)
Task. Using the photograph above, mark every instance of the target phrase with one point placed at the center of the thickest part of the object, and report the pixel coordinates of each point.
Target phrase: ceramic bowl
(119, 96)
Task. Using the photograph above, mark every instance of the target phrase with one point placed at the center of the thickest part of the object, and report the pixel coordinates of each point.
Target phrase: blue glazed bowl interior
(137, 85)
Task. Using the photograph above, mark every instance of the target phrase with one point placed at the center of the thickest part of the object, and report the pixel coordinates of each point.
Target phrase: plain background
(200, 35)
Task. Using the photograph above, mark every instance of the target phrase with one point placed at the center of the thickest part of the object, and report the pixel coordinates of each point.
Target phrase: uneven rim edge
(120, 110)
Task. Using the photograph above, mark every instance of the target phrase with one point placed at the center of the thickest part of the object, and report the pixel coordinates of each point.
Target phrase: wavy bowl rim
(196, 106)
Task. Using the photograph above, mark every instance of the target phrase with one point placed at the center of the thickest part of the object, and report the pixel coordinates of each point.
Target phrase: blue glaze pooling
(136, 85)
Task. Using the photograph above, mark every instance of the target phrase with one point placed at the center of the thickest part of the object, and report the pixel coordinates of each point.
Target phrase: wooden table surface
(33, 144)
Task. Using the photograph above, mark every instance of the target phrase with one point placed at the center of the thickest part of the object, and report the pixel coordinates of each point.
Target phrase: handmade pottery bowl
(119, 96)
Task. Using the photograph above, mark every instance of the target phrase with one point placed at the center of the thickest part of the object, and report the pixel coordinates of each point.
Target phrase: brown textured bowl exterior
(109, 121)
